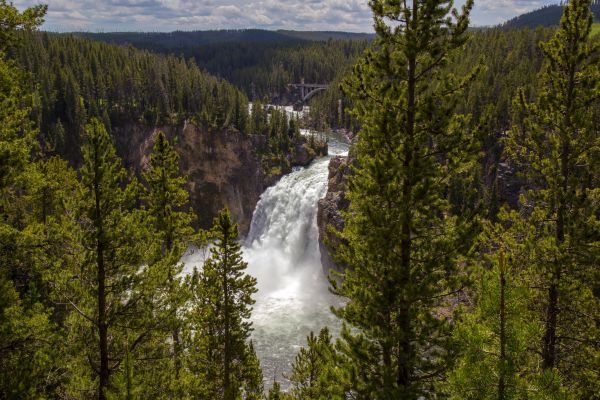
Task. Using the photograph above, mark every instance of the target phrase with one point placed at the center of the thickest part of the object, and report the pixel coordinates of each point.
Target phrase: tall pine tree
(221, 358)
(170, 221)
(111, 293)
(554, 141)
(402, 241)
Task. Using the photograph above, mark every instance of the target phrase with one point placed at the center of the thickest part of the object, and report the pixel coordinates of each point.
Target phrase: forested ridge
(546, 16)
(77, 79)
(260, 63)
(471, 245)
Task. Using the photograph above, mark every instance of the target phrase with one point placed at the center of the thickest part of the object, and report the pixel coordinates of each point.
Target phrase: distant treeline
(546, 16)
(260, 63)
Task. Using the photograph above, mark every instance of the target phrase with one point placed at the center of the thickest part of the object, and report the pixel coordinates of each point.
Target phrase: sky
(170, 15)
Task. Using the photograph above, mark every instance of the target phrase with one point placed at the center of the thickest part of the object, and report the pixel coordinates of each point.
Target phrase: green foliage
(222, 362)
(260, 63)
(403, 243)
(170, 219)
(275, 392)
(14, 21)
(554, 141)
(495, 336)
(27, 359)
(253, 388)
(312, 375)
(29, 348)
(110, 290)
(283, 139)
(78, 79)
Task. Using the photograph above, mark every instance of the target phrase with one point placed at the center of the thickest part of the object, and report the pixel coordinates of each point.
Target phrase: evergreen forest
(465, 231)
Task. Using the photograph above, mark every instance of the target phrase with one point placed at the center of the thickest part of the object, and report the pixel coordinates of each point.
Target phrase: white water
(283, 254)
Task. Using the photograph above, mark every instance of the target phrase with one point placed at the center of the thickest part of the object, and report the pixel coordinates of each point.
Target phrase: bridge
(308, 90)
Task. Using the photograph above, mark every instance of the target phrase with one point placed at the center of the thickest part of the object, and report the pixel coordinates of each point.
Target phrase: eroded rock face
(223, 167)
(328, 215)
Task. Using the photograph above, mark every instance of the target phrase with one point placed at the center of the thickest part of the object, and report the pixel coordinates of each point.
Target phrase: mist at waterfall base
(282, 252)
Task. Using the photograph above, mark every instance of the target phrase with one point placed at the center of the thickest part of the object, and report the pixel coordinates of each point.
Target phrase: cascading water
(283, 254)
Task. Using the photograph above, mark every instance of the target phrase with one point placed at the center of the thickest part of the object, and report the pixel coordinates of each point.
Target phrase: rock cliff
(224, 167)
(328, 214)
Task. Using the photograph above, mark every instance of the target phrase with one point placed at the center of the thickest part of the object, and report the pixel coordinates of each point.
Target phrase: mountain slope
(261, 63)
(547, 16)
(180, 39)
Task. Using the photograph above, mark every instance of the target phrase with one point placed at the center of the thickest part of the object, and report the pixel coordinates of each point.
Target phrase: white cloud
(167, 15)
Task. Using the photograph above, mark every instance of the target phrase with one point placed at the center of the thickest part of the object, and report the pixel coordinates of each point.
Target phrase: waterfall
(282, 252)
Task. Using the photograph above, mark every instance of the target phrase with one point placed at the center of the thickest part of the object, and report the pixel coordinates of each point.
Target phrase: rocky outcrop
(223, 167)
(329, 218)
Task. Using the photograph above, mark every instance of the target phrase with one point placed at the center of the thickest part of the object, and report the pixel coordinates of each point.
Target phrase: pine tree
(311, 376)
(29, 364)
(275, 392)
(402, 241)
(494, 336)
(554, 141)
(253, 387)
(221, 358)
(111, 293)
(167, 200)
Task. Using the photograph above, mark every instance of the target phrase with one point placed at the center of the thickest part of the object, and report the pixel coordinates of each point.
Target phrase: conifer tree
(554, 141)
(29, 365)
(171, 224)
(494, 337)
(253, 388)
(311, 376)
(275, 392)
(111, 293)
(402, 241)
(221, 358)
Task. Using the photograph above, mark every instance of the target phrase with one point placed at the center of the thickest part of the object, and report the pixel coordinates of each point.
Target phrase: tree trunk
(102, 323)
(552, 311)
(502, 374)
(404, 322)
(226, 350)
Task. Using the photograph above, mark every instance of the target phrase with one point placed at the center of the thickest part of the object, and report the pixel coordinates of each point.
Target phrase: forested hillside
(261, 63)
(78, 79)
(546, 16)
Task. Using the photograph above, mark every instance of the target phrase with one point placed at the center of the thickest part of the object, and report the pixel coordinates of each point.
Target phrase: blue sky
(169, 15)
